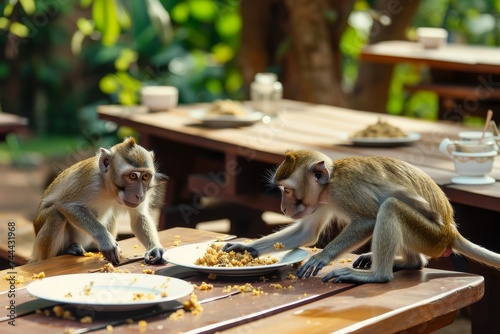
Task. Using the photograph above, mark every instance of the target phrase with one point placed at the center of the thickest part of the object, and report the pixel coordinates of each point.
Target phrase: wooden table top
(318, 127)
(411, 299)
(458, 57)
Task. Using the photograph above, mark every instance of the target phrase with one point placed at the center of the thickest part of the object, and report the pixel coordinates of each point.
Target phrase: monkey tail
(476, 252)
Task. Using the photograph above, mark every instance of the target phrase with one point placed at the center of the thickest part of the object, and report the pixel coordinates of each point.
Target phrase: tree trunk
(371, 89)
(300, 41)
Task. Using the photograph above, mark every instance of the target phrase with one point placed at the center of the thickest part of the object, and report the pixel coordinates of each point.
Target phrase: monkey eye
(133, 176)
(146, 176)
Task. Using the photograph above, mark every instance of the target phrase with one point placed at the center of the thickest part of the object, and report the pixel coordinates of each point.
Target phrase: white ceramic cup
(432, 38)
(473, 164)
(475, 136)
(158, 98)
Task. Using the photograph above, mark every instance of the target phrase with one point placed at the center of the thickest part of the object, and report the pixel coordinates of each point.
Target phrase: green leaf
(28, 6)
(228, 24)
(85, 3)
(222, 53)
(214, 86)
(160, 20)
(85, 26)
(203, 10)
(76, 42)
(19, 29)
(9, 8)
(4, 23)
(180, 12)
(109, 84)
(106, 21)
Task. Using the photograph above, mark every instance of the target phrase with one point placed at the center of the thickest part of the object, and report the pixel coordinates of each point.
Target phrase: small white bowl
(158, 98)
(432, 38)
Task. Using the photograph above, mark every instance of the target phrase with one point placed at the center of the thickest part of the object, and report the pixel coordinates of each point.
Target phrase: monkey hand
(155, 256)
(313, 265)
(111, 253)
(240, 248)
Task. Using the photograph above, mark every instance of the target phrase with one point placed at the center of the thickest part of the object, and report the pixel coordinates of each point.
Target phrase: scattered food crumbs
(68, 295)
(276, 286)
(18, 279)
(342, 261)
(109, 328)
(314, 249)
(349, 260)
(278, 246)
(257, 292)
(203, 286)
(142, 323)
(58, 311)
(164, 294)
(129, 321)
(193, 305)
(107, 268)
(86, 320)
(39, 275)
(212, 276)
(263, 279)
(291, 276)
(142, 296)
(135, 246)
(177, 240)
(148, 271)
(177, 315)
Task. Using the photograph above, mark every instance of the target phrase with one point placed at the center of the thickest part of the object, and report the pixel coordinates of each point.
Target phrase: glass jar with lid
(266, 93)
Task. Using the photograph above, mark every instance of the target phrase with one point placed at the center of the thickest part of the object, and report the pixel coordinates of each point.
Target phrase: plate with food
(110, 291)
(383, 134)
(209, 258)
(226, 113)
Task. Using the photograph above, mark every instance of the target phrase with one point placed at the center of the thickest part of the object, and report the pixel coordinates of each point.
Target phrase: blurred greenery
(61, 59)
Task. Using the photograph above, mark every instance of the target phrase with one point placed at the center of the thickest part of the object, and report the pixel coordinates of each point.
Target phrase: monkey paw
(313, 265)
(239, 248)
(364, 261)
(155, 256)
(348, 275)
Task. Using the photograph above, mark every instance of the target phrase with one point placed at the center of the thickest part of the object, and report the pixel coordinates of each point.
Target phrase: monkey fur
(397, 205)
(78, 209)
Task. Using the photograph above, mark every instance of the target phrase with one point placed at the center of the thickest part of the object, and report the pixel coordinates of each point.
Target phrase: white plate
(187, 255)
(225, 121)
(473, 180)
(410, 138)
(109, 291)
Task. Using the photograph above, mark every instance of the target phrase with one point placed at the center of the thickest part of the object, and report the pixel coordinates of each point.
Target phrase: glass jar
(266, 92)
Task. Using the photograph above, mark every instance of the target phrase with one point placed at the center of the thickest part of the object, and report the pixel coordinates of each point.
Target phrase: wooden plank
(378, 308)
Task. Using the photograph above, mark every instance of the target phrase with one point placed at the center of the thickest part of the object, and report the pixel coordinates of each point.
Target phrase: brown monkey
(78, 208)
(401, 208)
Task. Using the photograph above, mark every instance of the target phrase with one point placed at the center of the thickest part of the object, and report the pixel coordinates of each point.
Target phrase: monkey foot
(347, 275)
(75, 249)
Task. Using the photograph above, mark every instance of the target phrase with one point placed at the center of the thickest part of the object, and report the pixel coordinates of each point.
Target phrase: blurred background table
(466, 78)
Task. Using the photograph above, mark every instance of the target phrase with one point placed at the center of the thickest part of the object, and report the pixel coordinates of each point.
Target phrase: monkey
(396, 205)
(77, 210)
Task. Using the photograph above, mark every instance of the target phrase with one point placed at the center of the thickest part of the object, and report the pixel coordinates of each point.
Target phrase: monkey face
(135, 186)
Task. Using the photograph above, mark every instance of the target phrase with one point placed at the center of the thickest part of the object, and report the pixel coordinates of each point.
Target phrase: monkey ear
(104, 158)
(321, 173)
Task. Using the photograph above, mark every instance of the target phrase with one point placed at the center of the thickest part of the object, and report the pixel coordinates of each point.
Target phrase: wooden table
(230, 165)
(415, 301)
(465, 77)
